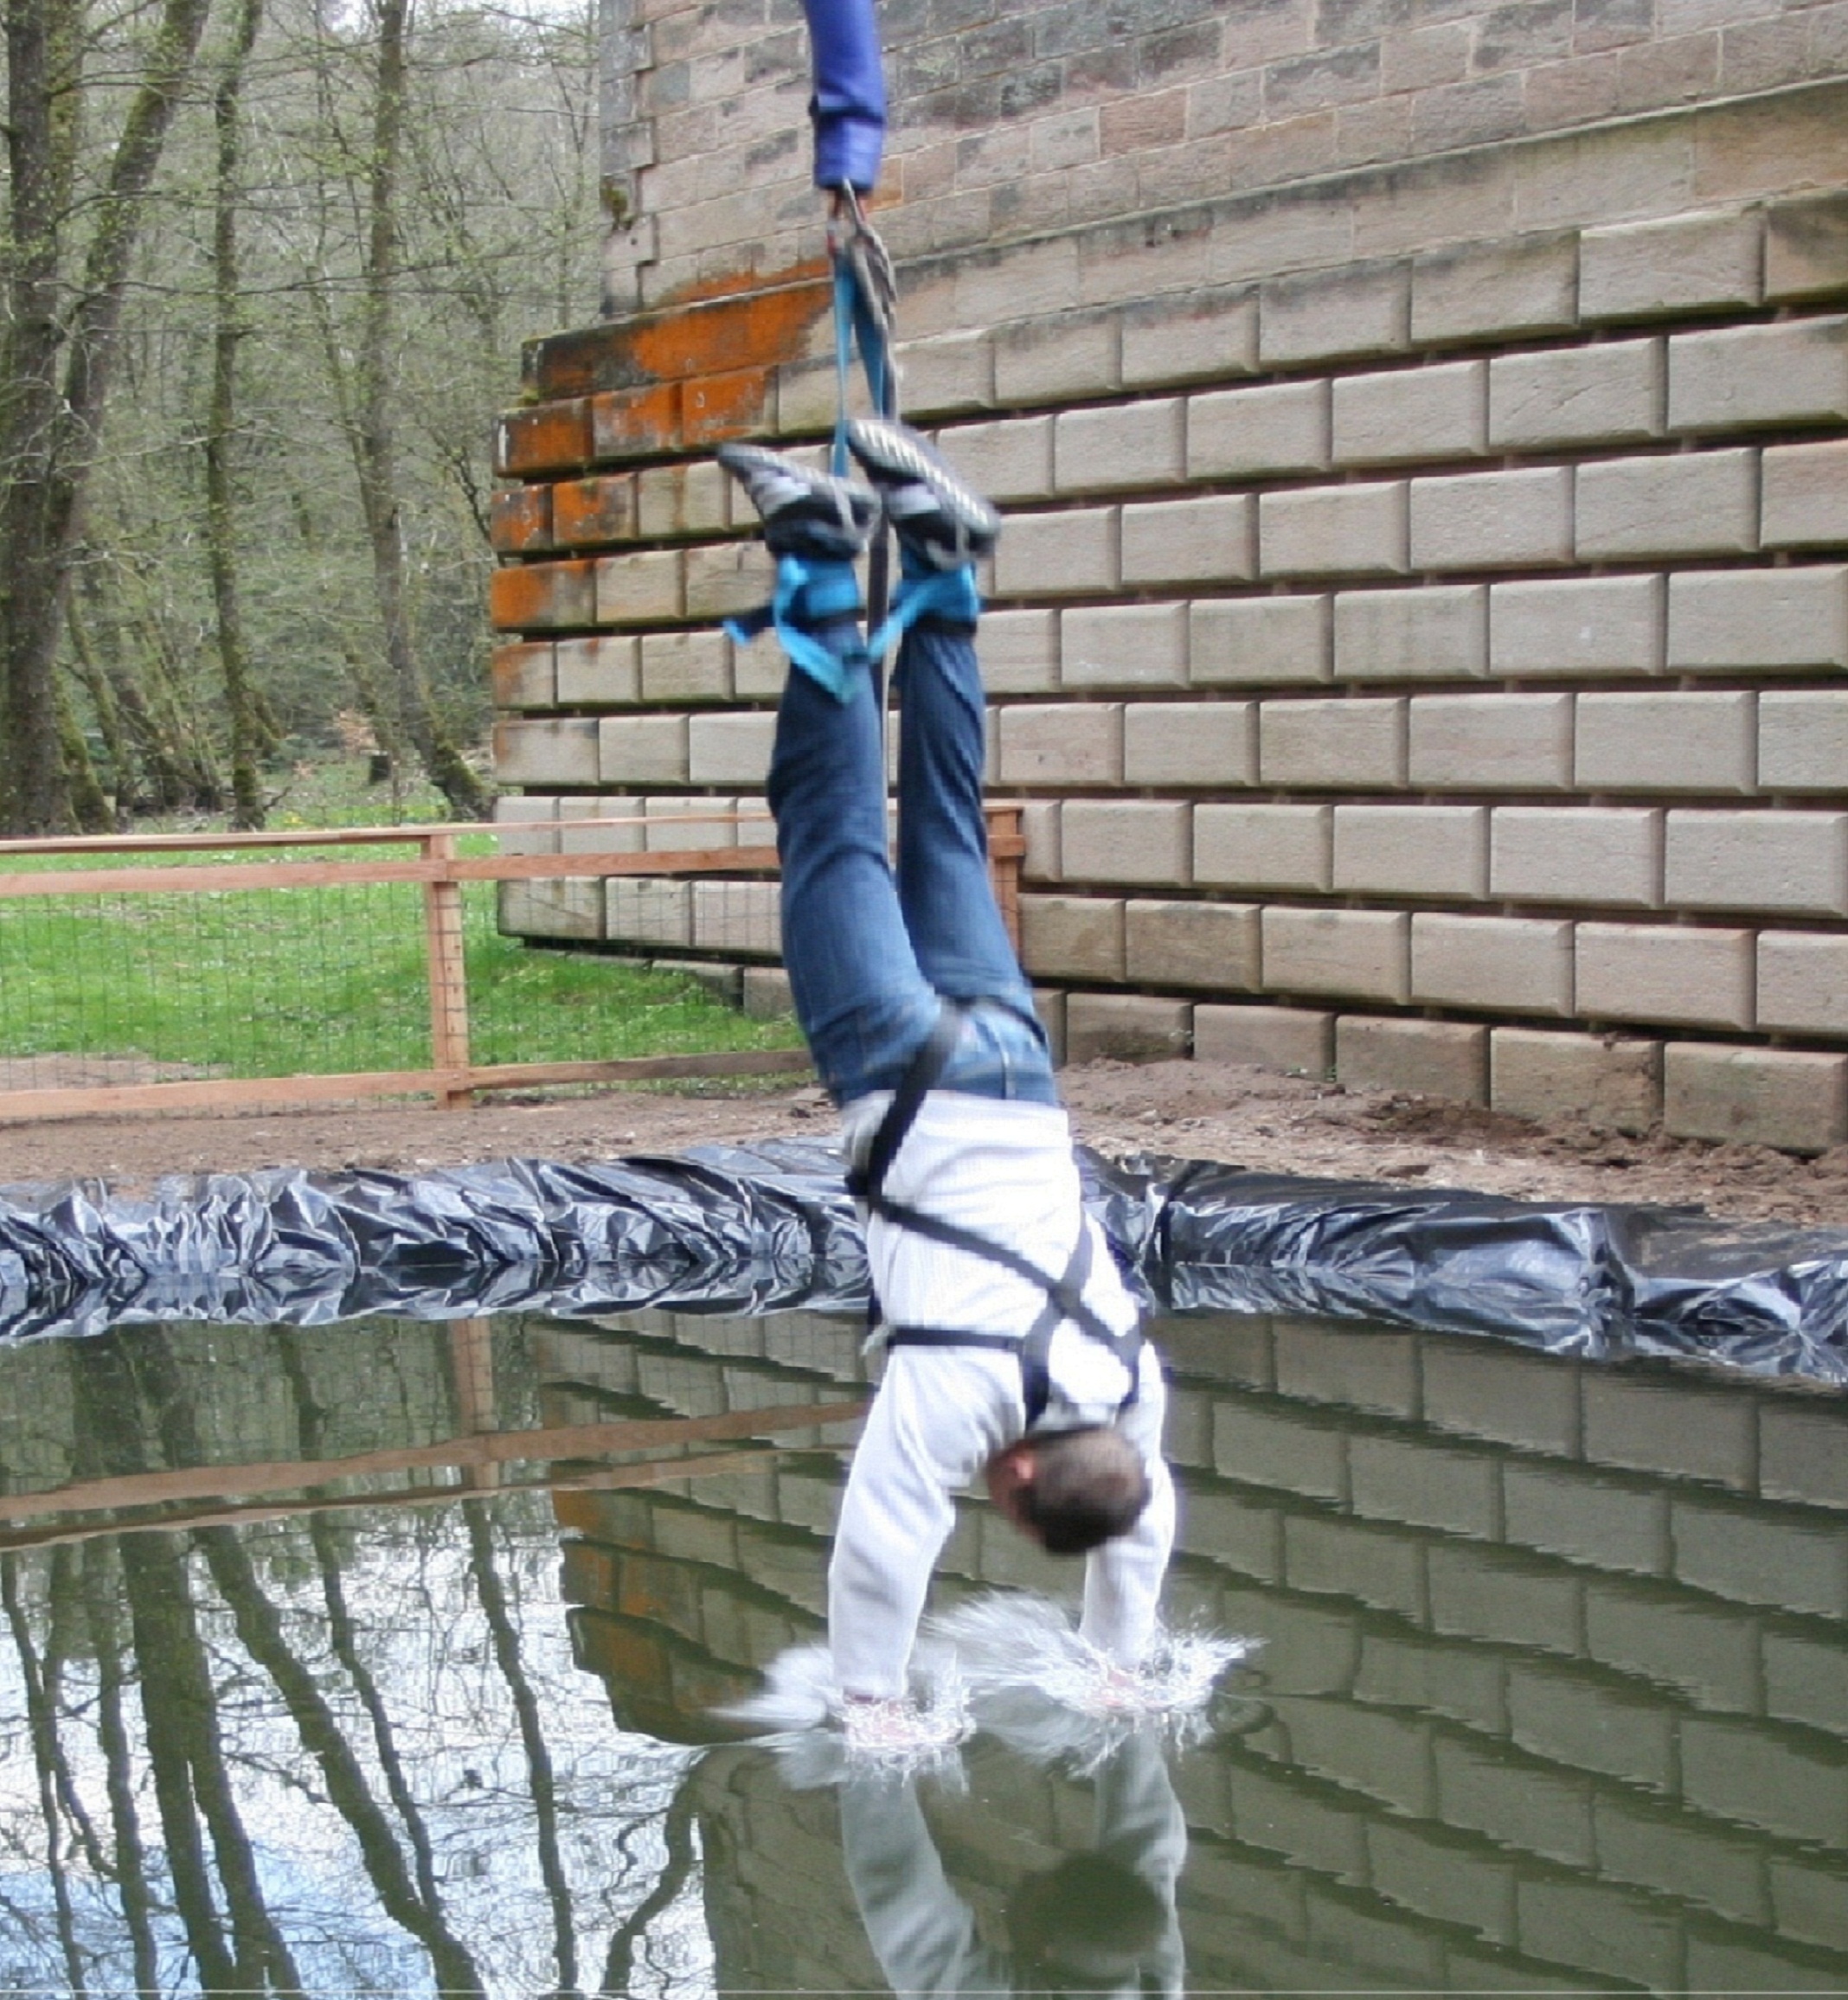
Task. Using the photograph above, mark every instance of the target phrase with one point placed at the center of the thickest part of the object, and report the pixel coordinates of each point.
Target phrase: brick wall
(1552, 1658)
(1418, 630)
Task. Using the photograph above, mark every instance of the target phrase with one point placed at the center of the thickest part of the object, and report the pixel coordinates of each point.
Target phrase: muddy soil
(1197, 1110)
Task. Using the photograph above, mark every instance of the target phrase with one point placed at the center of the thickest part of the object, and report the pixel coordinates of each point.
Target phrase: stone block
(1706, 1651)
(1512, 964)
(1449, 1878)
(725, 579)
(1358, 530)
(950, 373)
(1785, 1097)
(1660, 1849)
(1745, 378)
(1612, 1933)
(1072, 937)
(1492, 519)
(1294, 1040)
(1020, 652)
(1613, 1084)
(1198, 337)
(1527, 1400)
(760, 670)
(1576, 625)
(1526, 286)
(1787, 862)
(1608, 1523)
(685, 666)
(1358, 954)
(1252, 433)
(1212, 540)
(522, 675)
(1806, 248)
(1139, 444)
(765, 993)
(1346, 744)
(1057, 359)
(1064, 555)
(671, 501)
(1749, 1553)
(1291, 1451)
(1009, 460)
(1212, 945)
(1263, 846)
(579, 831)
(541, 596)
(1807, 1681)
(1196, 743)
(639, 585)
(1491, 742)
(730, 749)
(1802, 740)
(1645, 270)
(1126, 841)
(1355, 311)
(1128, 1026)
(1039, 824)
(1800, 1457)
(1254, 641)
(1747, 620)
(1803, 982)
(1608, 393)
(1552, 854)
(1690, 504)
(1804, 498)
(1411, 850)
(545, 751)
(1124, 645)
(520, 520)
(530, 821)
(675, 825)
(1415, 412)
(1507, 1597)
(550, 437)
(641, 910)
(1437, 633)
(1446, 1058)
(737, 917)
(603, 671)
(570, 909)
(1520, 1806)
(1662, 972)
(1679, 743)
(1048, 1003)
(1062, 743)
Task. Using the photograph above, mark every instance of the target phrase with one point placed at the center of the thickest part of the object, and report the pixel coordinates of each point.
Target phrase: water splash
(821, 1737)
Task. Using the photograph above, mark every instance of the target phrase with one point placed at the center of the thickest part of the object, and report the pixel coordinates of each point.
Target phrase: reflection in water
(363, 1656)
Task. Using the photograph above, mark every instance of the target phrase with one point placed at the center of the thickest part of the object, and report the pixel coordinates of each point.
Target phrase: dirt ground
(1197, 1110)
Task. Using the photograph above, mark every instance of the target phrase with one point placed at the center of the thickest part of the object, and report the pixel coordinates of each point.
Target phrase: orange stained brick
(727, 406)
(654, 1588)
(550, 438)
(638, 1660)
(590, 1573)
(587, 513)
(541, 596)
(520, 519)
(699, 1687)
(589, 1513)
(633, 423)
(757, 329)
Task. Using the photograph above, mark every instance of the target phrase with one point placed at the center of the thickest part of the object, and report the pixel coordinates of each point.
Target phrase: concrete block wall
(1542, 1640)
(1419, 629)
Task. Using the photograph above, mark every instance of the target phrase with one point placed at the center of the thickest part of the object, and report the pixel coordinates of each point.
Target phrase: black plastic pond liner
(763, 1228)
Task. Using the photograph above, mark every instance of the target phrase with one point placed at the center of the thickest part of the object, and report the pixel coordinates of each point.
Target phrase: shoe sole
(889, 454)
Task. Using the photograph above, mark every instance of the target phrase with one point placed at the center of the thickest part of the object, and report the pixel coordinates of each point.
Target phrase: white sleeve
(923, 1933)
(1123, 1579)
(896, 1517)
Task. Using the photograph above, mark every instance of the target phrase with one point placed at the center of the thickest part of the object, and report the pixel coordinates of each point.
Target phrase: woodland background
(266, 267)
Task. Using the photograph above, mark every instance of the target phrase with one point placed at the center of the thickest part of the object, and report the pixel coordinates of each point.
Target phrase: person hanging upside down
(1013, 1352)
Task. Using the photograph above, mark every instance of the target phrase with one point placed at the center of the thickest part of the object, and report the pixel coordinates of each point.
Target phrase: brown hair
(1087, 1487)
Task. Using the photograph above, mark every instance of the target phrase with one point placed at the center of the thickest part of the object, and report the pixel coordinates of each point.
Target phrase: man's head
(1084, 1926)
(1068, 1491)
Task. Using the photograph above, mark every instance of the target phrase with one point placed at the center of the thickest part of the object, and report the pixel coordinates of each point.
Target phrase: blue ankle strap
(825, 590)
(949, 594)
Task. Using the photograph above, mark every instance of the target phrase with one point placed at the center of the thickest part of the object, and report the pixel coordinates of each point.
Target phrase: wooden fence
(450, 1078)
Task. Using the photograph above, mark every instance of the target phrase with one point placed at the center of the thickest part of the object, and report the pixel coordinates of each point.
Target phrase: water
(1553, 1692)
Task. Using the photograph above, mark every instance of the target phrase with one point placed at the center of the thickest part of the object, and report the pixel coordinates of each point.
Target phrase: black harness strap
(1064, 1294)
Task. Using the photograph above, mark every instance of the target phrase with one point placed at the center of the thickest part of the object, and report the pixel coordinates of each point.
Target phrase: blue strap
(855, 325)
(949, 594)
(816, 591)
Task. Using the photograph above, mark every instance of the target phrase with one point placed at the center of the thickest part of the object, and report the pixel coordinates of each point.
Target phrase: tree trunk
(221, 521)
(375, 442)
(48, 431)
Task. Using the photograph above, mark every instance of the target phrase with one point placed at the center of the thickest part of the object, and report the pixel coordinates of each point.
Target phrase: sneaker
(805, 513)
(897, 1727)
(935, 514)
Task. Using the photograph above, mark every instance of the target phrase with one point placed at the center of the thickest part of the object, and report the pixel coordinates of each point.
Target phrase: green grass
(325, 980)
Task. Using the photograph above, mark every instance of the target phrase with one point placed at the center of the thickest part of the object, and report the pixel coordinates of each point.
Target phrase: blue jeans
(870, 957)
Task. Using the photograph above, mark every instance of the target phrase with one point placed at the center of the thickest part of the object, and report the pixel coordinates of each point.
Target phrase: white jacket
(1004, 1169)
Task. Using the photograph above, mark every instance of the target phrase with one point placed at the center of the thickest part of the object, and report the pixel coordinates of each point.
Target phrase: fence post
(448, 971)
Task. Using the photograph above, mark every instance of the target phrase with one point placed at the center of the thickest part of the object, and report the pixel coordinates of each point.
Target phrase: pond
(383, 1657)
